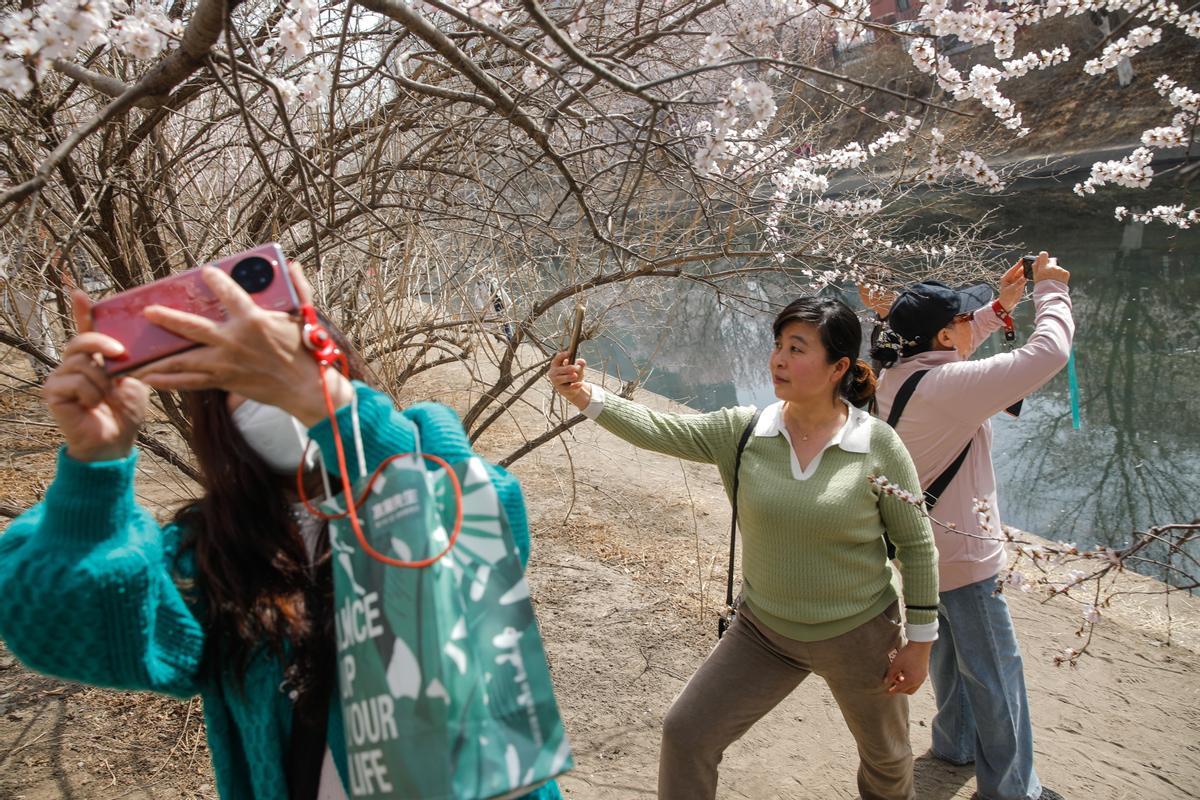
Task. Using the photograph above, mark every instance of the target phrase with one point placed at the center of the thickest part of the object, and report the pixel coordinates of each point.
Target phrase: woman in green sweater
(232, 600)
(819, 594)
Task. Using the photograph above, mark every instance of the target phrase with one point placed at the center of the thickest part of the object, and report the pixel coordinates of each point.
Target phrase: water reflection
(1136, 294)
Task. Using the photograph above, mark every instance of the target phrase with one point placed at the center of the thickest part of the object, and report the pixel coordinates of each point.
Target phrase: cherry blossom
(1138, 40)
(143, 32)
(1133, 171)
(533, 77)
(315, 85)
(1176, 215)
(850, 208)
(713, 50)
(973, 167)
(296, 30)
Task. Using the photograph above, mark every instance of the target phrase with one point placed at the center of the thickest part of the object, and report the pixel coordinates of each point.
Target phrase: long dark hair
(841, 335)
(252, 566)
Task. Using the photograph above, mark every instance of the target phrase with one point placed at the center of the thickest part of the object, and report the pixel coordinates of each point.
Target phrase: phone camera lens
(253, 274)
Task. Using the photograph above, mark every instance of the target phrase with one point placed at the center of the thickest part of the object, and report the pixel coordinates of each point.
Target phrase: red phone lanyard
(327, 354)
(1010, 333)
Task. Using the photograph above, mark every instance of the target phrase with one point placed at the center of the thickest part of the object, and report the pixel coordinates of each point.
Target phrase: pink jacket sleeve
(975, 390)
(983, 324)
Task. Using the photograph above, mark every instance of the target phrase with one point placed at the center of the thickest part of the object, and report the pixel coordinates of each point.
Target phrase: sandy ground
(623, 542)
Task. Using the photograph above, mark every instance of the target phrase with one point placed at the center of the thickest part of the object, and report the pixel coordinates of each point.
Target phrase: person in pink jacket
(932, 330)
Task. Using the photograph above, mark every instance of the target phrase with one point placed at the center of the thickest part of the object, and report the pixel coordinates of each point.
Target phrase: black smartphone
(576, 332)
(1027, 266)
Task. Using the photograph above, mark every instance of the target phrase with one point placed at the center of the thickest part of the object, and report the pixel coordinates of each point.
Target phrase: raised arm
(87, 576)
(89, 586)
(975, 390)
(986, 321)
(695, 437)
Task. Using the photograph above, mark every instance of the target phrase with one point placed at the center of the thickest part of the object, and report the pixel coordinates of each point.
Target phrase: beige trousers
(753, 669)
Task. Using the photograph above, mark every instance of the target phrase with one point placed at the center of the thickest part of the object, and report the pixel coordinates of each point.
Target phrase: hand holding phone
(261, 272)
(98, 415)
(576, 333)
(1027, 263)
(247, 350)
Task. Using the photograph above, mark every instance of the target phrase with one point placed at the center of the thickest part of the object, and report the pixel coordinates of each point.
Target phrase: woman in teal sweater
(232, 600)
(819, 594)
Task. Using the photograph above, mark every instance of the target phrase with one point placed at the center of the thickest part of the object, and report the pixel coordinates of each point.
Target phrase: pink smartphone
(262, 272)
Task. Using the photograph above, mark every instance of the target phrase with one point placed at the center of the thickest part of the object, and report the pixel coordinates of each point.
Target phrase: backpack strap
(904, 395)
(725, 619)
(935, 490)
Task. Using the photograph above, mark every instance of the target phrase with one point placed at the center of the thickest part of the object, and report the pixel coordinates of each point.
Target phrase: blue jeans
(979, 684)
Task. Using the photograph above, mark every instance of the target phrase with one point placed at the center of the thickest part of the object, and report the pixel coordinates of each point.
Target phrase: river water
(1134, 462)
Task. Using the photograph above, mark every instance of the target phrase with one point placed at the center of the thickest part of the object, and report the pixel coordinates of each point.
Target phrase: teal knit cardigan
(95, 591)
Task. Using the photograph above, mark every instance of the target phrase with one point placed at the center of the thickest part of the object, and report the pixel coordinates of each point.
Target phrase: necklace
(798, 434)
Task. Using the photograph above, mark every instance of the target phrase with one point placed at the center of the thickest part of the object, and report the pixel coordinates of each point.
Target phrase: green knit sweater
(92, 593)
(814, 564)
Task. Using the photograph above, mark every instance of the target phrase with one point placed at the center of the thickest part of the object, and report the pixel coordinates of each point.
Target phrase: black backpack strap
(724, 620)
(935, 490)
(904, 395)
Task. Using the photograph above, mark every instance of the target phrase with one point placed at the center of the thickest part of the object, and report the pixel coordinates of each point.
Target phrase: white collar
(854, 436)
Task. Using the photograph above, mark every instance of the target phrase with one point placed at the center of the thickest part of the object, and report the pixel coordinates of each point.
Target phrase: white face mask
(279, 438)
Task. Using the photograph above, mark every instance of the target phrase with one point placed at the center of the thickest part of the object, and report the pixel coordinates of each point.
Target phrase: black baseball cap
(925, 308)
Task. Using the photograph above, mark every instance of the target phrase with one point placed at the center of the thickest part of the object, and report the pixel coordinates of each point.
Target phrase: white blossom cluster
(1165, 136)
(1176, 215)
(1170, 13)
(798, 178)
(755, 30)
(62, 28)
(757, 96)
(1133, 172)
(57, 29)
(983, 514)
(976, 23)
(851, 156)
(534, 77)
(849, 208)
(1126, 47)
(759, 103)
(939, 165)
(1016, 580)
(1182, 98)
(577, 27)
(311, 87)
(864, 237)
(802, 175)
(145, 31)
(981, 22)
(983, 83)
(713, 50)
(488, 12)
(885, 486)
(973, 167)
(847, 17)
(890, 139)
(297, 28)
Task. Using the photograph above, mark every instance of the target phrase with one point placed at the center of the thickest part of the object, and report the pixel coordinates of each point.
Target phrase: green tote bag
(442, 677)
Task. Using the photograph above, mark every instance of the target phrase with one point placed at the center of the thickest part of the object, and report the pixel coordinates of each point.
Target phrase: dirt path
(614, 574)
